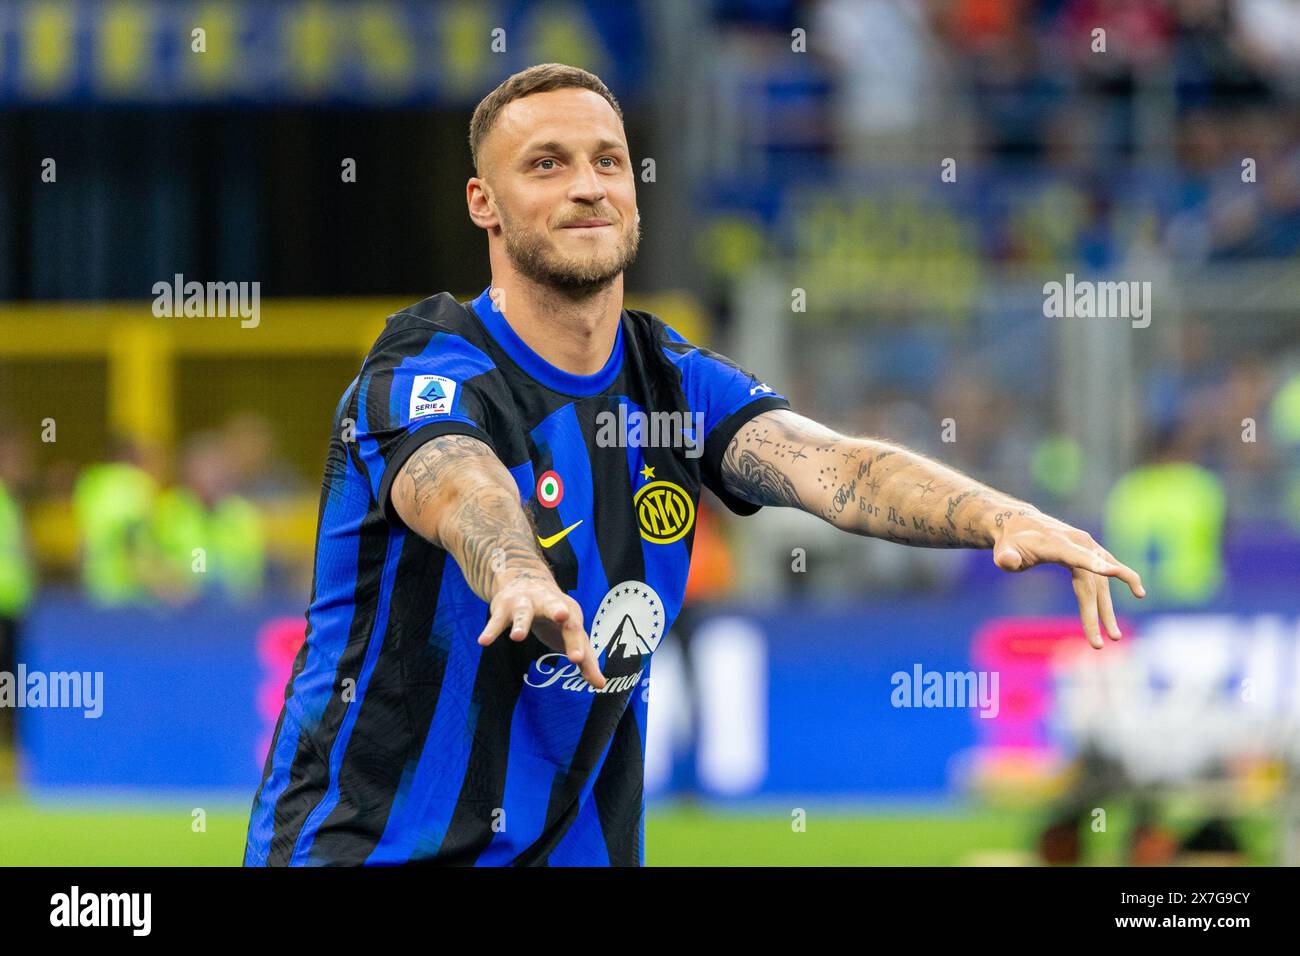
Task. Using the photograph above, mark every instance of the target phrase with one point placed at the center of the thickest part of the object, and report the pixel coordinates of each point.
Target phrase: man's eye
(540, 161)
(612, 161)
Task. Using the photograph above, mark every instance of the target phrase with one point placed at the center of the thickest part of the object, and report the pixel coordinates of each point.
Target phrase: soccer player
(506, 526)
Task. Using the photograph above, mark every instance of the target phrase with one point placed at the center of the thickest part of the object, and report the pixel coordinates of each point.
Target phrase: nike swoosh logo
(547, 542)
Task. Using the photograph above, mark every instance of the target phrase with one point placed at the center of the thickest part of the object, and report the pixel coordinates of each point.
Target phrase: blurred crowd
(151, 528)
(1139, 132)
(1059, 82)
(1135, 139)
(1218, 452)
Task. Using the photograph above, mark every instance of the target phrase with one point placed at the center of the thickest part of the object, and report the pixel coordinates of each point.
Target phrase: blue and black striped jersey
(402, 739)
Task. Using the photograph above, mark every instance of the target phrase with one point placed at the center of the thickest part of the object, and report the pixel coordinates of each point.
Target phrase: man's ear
(481, 205)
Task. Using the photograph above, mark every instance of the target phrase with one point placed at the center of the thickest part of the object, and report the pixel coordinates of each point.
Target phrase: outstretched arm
(456, 494)
(876, 488)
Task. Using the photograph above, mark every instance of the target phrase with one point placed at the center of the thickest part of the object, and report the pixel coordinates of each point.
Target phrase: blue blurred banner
(858, 700)
(263, 52)
(180, 707)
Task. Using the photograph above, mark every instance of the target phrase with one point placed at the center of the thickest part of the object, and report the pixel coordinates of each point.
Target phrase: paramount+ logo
(664, 511)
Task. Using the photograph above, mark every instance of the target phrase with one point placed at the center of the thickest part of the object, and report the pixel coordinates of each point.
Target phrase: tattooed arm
(872, 487)
(454, 492)
(865, 486)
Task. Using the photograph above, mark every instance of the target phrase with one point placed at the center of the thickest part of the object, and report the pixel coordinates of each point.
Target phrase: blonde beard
(536, 259)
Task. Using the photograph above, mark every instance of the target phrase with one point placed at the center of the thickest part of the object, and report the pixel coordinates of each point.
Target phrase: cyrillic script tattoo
(866, 486)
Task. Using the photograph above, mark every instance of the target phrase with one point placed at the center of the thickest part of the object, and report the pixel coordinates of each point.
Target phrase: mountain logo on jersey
(431, 395)
(630, 620)
(628, 641)
(628, 626)
(664, 511)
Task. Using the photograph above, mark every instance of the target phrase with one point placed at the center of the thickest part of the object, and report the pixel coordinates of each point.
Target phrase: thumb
(1008, 558)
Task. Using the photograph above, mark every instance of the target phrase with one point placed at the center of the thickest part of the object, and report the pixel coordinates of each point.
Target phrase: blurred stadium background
(798, 218)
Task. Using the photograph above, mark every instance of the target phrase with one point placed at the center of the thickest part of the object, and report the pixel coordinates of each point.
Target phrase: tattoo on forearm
(844, 495)
(489, 535)
(761, 482)
(429, 467)
(760, 460)
(488, 532)
(954, 502)
(863, 486)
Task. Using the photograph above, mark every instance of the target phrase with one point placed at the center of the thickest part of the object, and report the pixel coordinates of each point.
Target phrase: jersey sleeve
(728, 396)
(414, 388)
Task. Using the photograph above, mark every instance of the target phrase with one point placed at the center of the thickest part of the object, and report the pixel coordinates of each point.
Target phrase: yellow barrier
(141, 349)
(141, 352)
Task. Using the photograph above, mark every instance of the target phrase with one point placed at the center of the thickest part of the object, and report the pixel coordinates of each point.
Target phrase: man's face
(558, 168)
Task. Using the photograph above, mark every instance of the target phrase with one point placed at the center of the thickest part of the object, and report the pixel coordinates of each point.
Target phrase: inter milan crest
(664, 511)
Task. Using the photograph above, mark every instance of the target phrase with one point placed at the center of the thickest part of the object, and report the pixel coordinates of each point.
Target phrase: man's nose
(586, 185)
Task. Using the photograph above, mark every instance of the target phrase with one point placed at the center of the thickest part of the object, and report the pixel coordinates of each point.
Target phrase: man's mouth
(587, 224)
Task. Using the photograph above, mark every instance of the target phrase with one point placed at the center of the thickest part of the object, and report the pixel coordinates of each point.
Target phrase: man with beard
(474, 488)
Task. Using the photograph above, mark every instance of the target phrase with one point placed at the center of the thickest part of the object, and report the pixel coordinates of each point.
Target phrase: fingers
(1042, 539)
(1087, 558)
(520, 615)
(1127, 575)
(495, 625)
(1095, 607)
(1086, 593)
(559, 612)
(1107, 609)
(577, 647)
(523, 620)
(1098, 560)
(1090, 556)
(1091, 568)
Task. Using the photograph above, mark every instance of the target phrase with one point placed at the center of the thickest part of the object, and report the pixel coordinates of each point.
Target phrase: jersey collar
(536, 366)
